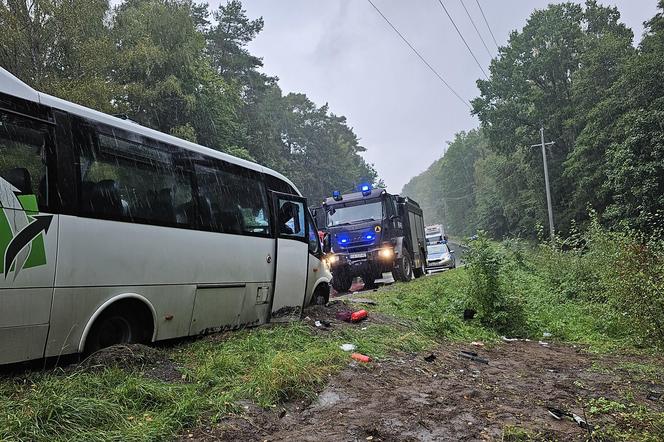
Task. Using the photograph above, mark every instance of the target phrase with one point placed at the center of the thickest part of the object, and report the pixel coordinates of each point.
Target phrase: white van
(114, 233)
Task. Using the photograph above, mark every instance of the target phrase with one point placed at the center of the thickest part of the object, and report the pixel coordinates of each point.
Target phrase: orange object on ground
(360, 357)
(358, 316)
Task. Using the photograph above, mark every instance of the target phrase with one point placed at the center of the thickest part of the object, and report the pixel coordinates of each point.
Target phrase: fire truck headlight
(386, 252)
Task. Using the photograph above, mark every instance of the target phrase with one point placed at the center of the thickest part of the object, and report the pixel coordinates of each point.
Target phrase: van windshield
(352, 214)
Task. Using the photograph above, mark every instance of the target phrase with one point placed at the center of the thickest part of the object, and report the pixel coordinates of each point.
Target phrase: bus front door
(292, 257)
(28, 238)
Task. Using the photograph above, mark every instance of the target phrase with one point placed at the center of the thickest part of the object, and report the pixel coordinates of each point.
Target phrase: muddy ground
(451, 398)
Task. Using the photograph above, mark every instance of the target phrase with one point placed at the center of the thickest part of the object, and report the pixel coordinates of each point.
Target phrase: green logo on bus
(21, 231)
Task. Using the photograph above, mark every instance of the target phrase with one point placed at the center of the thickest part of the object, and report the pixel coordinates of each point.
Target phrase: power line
(476, 30)
(440, 77)
(487, 24)
(463, 39)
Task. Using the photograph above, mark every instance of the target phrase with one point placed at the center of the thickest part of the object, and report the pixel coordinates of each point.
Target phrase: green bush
(488, 288)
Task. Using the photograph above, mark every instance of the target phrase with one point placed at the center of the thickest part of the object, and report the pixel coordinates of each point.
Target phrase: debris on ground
(430, 358)
(654, 395)
(506, 339)
(472, 356)
(559, 414)
(400, 399)
(347, 347)
(468, 314)
(358, 315)
(344, 315)
(546, 335)
(359, 357)
(477, 344)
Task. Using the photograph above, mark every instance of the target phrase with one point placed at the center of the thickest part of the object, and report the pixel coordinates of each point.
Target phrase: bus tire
(341, 281)
(403, 271)
(125, 322)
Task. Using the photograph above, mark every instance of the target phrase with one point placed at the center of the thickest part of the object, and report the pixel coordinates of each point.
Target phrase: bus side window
(122, 179)
(237, 200)
(23, 149)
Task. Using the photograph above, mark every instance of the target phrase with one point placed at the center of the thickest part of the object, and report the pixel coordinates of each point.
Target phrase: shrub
(488, 291)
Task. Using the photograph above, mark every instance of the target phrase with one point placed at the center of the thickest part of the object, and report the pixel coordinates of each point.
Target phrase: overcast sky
(343, 53)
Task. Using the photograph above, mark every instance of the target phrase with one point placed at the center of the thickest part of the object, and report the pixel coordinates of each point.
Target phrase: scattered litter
(358, 315)
(430, 358)
(318, 324)
(322, 323)
(347, 347)
(559, 414)
(547, 334)
(362, 301)
(360, 357)
(543, 343)
(363, 328)
(472, 356)
(654, 395)
(344, 315)
(509, 339)
(477, 344)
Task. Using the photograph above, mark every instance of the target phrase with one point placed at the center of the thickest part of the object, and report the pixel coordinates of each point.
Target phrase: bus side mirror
(327, 244)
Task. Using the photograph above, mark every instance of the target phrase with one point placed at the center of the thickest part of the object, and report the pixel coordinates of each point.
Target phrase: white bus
(114, 233)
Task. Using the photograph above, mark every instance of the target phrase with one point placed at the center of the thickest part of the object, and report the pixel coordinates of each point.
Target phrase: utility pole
(546, 181)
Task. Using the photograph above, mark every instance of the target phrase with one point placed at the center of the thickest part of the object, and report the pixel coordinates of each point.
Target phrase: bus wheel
(404, 268)
(341, 281)
(121, 323)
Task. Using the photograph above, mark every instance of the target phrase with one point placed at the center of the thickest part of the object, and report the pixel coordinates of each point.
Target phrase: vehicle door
(292, 257)
(28, 231)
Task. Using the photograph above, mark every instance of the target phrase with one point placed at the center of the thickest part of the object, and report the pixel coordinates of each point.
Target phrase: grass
(266, 365)
(269, 365)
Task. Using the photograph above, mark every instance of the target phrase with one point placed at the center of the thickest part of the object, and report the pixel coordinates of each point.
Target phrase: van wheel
(341, 281)
(118, 325)
(404, 268)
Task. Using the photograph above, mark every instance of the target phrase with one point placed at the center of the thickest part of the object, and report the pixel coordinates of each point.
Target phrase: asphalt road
(358, 285)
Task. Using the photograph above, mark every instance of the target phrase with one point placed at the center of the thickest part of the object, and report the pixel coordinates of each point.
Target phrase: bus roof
(11, 85)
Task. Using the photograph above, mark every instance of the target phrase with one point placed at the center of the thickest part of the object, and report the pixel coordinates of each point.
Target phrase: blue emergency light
(336, 195)
(366, 189)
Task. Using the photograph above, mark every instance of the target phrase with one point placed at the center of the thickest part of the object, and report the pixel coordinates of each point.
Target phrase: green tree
(551, 74)
(61, 47)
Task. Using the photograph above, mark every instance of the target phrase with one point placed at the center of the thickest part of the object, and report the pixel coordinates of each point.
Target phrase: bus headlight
(386, 252)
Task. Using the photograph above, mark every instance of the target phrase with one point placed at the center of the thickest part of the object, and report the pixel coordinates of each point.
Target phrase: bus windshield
(362, 212)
